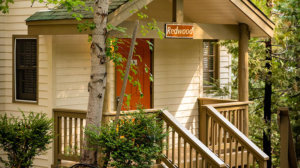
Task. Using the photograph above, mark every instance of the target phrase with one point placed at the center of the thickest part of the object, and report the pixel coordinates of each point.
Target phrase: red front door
(138, 89)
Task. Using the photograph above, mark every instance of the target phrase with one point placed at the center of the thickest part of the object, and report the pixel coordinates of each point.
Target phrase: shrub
(134, 142)
(23, 139)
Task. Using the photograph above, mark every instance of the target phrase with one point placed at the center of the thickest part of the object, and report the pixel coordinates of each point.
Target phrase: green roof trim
(62, 13)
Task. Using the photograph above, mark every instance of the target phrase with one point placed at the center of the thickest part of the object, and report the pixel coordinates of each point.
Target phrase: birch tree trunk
(98, 76)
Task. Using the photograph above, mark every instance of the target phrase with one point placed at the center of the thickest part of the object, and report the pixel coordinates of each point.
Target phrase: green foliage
(23, 139)
(285, 72)
(133, 142)
(4, 5)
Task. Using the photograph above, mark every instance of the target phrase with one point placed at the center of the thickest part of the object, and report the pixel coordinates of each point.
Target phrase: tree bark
(98, 76)
(267, 105)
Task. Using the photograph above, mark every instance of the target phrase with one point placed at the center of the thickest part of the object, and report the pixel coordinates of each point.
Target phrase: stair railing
(183, 149)
(229, 142)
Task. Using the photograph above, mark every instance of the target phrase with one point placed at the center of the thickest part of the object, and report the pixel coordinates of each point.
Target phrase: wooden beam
(126, 10)
(201, 31)
(178, 15)
(258, 18)
(243, 72)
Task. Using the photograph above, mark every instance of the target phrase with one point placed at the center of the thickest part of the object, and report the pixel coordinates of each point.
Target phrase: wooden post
(287, 149)
(243, 74)
(178, 15)
(202, 134)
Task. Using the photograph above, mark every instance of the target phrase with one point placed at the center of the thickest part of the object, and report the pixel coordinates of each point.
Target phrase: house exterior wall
(14, 24)
(225, 68)
(71, 71)
(177, 75)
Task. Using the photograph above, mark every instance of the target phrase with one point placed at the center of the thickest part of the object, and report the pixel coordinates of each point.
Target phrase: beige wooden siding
(177, 84)
(225, 68)
(14, 24)
(72, 70)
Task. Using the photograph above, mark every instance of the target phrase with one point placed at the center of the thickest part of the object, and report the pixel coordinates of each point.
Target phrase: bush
(134, 142)
(23, 139)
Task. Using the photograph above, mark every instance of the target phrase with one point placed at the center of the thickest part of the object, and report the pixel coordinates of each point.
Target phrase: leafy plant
(23, 139)
(133, 142)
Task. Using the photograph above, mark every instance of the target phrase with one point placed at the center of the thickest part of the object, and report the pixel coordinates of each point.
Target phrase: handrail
(235, 135)
(231, 104)
(188, 138)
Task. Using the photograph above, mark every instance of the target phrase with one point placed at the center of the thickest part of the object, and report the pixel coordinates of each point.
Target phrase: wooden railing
(225, 124)
(183, 149)
(69, 130)
(202, 114)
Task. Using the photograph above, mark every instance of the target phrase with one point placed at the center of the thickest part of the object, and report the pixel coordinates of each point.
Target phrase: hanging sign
(179, 31)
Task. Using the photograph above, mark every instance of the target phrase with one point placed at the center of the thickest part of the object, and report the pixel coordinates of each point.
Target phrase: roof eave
(262, 21)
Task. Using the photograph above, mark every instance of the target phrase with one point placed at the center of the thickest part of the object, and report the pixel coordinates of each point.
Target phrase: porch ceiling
(229, 12)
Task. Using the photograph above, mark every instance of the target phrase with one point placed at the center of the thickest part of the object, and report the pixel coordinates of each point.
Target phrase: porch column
(178, 15)
(243, 74)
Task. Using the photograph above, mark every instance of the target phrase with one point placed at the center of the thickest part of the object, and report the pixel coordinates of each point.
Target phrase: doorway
(138, 89)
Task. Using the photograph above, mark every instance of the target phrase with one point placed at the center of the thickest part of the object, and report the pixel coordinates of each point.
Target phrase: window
(210, 62)
(25, 69)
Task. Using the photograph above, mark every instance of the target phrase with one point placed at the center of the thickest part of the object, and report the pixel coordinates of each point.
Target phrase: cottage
(45, 67)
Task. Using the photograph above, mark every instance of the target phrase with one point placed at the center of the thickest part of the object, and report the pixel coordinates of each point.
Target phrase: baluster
(60, 138)
(76, 140)
(179, 151)
(184, 154)
(173, 145)
(225, 146)
(168, 140)
(229, 116)
(253, 161)
(213, 134)
(241, 120)
(65, 135)
(70, 135)
(230, 154)
(219, 143)
(208, 133)
(242, 157)
(203, 162)
(191, 157)
(81, 134)
(197, 159)
(236, 153)
(235, 118)
(248, 159)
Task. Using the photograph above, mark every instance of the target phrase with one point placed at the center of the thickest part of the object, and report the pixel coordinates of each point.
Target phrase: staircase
(222, 138)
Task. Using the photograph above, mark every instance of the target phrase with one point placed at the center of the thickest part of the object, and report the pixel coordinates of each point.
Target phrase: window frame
(216, 64)
(14, 66)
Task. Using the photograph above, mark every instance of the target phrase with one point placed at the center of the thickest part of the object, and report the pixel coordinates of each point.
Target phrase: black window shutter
(26, 69)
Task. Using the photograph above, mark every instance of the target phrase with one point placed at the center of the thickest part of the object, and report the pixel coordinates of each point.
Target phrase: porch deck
(222, 140)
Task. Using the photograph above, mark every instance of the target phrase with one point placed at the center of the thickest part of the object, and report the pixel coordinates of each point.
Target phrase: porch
(222, 140)
(212, 133)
